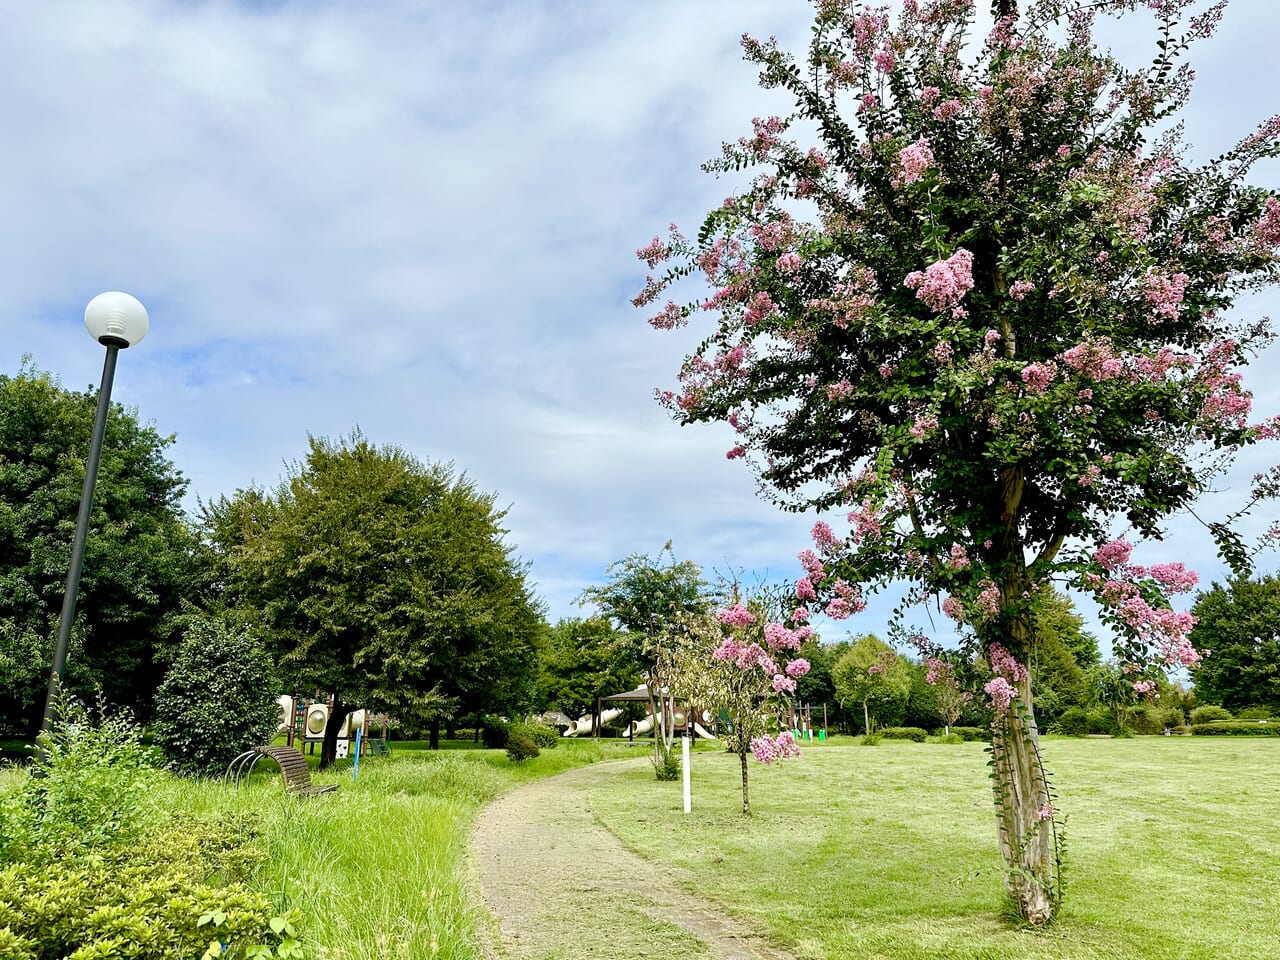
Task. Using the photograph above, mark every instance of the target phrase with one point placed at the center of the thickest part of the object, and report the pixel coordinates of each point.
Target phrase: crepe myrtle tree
(743, 664)
(973, 299)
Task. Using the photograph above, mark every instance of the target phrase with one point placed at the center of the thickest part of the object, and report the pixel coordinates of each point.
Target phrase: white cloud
(419, 218)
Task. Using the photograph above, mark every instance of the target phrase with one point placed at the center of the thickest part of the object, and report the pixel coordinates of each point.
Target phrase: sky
(421, 220)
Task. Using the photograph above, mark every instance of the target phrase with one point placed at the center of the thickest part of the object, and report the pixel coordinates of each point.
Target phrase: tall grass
(378, 868)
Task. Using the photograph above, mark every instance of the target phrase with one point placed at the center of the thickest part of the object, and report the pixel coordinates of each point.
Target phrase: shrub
(1208, 713)
(1102, 720)
(217, 700)
(1172, 716)
(904, 733)
(546, 737)
(1254, 713)
(520, 747)
(1146, 720)
(494, 733)
(94, 871)
(1074, 722)
(666, 766)
(972, 734)
(1254, 728)
(871, 739)
(157, 899)
(947, 738)
(94, 788)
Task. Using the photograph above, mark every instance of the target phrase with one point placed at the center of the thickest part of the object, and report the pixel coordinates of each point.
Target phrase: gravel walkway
(561, 887)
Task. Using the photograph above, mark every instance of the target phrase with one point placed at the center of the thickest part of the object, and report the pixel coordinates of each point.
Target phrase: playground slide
(703, 732)
(638, 726)
(582, 727)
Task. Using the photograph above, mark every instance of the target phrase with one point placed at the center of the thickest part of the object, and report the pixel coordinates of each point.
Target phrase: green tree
(1239, 624)
(138, 564)
(872, 675)
(643, 595)
(973, 295)
(583, 659)
(382, 580)
(217, 700)
(1063, 653)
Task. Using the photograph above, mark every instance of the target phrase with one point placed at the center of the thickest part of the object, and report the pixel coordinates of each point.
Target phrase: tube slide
(582, 727)
(638, 726)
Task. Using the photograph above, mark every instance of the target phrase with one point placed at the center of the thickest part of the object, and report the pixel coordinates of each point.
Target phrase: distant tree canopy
(872, 676)
(138, 556)
(585, 659)
(382, 580)
(643, 596)
(1240, 625)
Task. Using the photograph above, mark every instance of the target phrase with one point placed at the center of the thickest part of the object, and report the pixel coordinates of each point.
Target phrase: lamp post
(117, 321)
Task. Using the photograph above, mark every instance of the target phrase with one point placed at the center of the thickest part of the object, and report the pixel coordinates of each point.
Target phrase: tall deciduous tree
(138, 555)
(585, 659)
(978, 301)
(383, 581)
(872, 676)
(1239, 624)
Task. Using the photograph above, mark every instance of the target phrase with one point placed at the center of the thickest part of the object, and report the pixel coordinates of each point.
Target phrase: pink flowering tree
(977, 305)
(741, 664)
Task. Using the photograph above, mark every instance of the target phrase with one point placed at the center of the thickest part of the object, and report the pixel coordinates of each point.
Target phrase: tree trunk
(434, 742)
(329, 745)
(866, 718)
(451, 729)
(1024, 816)
(746, 804)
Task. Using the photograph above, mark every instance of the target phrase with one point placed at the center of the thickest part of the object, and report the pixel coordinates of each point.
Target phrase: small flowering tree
(984, 311)
(740, 665)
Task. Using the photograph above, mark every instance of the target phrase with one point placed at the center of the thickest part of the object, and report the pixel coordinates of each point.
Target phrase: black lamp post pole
(82, 531)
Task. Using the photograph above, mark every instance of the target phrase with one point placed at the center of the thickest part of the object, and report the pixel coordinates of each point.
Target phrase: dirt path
(561, 887)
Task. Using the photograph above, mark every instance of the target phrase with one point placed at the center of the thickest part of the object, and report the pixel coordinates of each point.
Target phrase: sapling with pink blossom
(1012, 330)
(742, 662)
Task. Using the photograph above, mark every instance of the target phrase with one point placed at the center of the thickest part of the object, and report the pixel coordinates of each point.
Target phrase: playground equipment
(305, 721)
(582, 727)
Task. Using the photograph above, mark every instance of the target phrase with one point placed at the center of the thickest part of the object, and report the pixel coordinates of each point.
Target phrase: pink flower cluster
(923, 425)
(813, 567)
(958, 559)
(913, 161)
(1164, 631)
(1165, 293)
(1020, 288)
(736, 616)
(988, 600)
(942, 285)
(781, 747)
(1008, 671)
(824, 537)
(788, 263)
(1038, 376)
(866, 522)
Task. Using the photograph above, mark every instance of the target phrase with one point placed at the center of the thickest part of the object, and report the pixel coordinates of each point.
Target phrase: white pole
(688, 795)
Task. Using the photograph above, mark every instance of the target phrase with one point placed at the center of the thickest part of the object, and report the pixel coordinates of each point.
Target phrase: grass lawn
(889, 851)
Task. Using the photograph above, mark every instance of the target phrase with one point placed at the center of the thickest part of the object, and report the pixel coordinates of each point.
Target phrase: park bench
(293, 768)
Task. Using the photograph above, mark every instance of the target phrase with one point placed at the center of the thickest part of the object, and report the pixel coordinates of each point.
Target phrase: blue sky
(421, 219)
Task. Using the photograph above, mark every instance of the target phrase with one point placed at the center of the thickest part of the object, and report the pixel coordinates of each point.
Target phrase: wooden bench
(294, 770)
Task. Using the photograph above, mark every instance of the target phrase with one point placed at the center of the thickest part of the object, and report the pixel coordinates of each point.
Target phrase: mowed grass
(379, 868)
(1173, 849)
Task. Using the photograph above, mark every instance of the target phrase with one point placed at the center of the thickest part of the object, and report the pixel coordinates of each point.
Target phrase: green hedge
(1208, 713)
(1235, 729)
(904, 733)
(973, 733)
